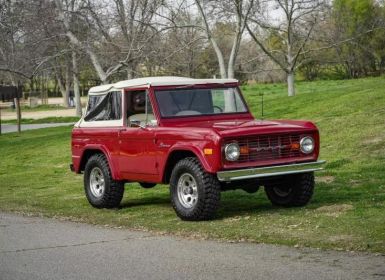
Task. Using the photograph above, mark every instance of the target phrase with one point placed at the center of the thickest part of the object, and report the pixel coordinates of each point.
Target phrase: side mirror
(153, 123)
(136, 123)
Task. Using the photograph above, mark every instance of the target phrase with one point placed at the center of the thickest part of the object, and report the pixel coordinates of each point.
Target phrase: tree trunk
(78, 102)
(233, 54)
(130, 73)
(290, 84)
(64, 93)
(67, 86)
(64, 90)
(221, 61)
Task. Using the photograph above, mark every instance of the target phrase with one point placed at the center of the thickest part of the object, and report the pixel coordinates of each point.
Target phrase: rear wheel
(195, 194)
(102, 191)
(293, 190)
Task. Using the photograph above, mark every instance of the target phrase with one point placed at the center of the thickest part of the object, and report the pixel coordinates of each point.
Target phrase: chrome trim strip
(240, 174)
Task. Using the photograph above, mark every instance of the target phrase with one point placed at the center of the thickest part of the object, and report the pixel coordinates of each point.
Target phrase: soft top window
(136, 102)
(104, 107)
(139, 109)
(190, 102)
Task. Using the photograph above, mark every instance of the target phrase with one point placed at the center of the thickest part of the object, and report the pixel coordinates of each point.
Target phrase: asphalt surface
(41, 248)
(7, 128)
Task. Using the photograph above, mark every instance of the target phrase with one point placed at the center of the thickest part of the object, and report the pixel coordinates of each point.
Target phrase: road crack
(75, 245)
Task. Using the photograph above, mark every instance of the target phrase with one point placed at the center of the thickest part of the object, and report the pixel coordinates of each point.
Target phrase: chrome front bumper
(260, 172)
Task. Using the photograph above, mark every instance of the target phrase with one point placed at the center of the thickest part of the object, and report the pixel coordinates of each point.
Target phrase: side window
(104, 107)
(139, 109)
(136, 102)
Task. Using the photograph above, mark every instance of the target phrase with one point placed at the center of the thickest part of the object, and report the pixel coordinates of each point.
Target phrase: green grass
(347, 211)
(43, 107)
(43, 120)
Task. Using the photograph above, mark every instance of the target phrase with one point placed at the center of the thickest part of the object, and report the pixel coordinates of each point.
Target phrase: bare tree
(62, 71)
(237, 9)
(75, 76)
(284, 33)
(23, 45)
(118, 33)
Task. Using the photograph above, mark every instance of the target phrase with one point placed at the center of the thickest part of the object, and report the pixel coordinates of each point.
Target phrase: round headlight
(232, 151)
(307, 145)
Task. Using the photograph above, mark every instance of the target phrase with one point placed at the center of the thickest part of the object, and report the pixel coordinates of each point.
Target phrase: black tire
(293, 190)
(250, 186)
(147, 185)
(251, 189)
(207, 189)
(112, 193)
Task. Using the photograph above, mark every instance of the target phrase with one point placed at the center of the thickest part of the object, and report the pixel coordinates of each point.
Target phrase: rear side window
(104, 107)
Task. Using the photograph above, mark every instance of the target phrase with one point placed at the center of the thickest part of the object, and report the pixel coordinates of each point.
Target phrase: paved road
(40, 248)
(7, 128)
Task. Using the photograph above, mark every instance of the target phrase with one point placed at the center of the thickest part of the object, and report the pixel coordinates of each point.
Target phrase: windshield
(192, 102)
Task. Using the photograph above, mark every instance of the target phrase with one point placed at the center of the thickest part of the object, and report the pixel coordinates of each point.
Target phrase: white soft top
(156, 81)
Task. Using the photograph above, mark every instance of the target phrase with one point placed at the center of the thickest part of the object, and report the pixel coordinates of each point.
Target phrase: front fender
(210, 162)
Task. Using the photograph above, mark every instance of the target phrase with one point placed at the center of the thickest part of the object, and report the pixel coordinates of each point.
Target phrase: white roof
(156, 81)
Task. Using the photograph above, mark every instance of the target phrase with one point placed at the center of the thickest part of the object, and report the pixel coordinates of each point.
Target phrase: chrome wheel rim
(97, 183)
(187, 190)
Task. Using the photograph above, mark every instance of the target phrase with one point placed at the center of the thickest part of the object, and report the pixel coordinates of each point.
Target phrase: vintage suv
(197, 135)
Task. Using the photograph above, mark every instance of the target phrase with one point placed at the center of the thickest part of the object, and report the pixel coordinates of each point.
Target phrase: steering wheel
(219, 108)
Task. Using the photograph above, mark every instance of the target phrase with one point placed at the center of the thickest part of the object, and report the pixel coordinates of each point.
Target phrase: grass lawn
(43, 120)
(347, 211)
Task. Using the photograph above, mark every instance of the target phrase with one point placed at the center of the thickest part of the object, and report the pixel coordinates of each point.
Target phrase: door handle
(120, 130)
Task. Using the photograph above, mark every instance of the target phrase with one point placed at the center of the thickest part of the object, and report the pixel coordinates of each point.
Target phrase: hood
(237, 127)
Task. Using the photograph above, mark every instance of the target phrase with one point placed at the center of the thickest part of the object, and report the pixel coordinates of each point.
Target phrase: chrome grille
(267, 147)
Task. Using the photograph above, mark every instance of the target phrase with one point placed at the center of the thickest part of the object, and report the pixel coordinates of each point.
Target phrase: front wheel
(101, 189)
(195, 194)
(293, 190)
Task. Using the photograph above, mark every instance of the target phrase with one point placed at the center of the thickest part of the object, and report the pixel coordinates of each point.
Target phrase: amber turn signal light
(208, 151)
(244, 150)
(294, 146)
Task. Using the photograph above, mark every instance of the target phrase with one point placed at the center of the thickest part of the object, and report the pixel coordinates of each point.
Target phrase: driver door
(137, 158)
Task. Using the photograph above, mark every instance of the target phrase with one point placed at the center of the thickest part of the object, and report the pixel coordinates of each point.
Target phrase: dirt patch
(354, 183)
(342, 237)
(374, 140)
(324, 179)
(334, 210)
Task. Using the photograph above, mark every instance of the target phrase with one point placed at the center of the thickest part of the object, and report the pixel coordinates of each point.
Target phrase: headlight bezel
(229, 146)
(302, 145)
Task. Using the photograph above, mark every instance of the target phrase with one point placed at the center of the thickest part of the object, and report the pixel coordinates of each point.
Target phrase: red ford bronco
(197, 135)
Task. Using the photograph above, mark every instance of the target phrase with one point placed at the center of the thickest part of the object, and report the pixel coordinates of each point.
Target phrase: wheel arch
(179, 153)
(173, 158)
(89, 152)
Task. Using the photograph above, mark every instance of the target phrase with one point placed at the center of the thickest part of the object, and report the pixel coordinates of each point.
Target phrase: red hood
(248, 127)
